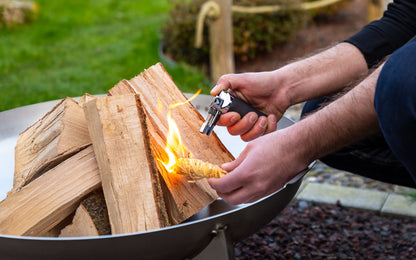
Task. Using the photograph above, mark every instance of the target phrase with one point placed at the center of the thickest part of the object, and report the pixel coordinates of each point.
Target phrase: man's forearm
(324, 73)
(346, 120)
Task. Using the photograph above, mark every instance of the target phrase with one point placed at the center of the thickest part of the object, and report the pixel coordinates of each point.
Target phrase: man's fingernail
(234, 119)
(263, 122)
(273, 119)
(215, 89)
(252, 118)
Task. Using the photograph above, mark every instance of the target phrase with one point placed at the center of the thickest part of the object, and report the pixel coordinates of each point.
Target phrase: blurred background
(53, 49)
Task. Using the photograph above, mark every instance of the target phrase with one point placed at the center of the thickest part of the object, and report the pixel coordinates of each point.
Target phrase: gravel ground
(324, 174)
(307, 230)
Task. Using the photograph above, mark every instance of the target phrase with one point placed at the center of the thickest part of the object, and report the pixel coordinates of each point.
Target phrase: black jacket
(381, 37)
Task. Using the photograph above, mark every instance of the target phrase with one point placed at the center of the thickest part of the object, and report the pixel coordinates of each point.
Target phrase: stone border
(385, 203)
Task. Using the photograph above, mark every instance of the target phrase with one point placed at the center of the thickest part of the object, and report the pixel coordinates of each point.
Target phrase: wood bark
(90, 219)
(130, 181)
(157, 92)
(49, 199)
(58, 135)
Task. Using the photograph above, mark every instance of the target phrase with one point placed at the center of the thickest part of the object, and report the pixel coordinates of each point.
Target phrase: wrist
(298, 150)
(285, 79)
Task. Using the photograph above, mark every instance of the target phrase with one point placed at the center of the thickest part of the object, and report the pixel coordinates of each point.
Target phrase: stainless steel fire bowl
(205, 234)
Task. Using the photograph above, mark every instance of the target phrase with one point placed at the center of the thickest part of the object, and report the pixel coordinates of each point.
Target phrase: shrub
(253, 33)
(17, 12)
(326, 13)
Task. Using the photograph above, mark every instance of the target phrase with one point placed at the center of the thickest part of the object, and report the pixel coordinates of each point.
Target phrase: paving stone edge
(385, 203)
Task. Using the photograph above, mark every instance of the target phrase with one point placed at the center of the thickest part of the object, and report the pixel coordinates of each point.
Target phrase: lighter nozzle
(214, 113)
(208, 125)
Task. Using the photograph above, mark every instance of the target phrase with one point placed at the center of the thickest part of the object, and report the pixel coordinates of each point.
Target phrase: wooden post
(376, 9)
(221, 41)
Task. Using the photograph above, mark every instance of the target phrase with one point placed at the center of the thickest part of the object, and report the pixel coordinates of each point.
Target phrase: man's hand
(258, 90)
(265, 165)
(270, 161)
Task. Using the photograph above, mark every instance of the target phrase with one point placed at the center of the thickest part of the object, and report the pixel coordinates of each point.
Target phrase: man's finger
(244, 125)
(257, 130)
(222, 84)
(271, 124)
(238, 196)
(225, 184)
(229, 119)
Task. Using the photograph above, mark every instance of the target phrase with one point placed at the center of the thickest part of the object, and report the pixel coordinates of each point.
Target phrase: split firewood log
(157, 93)
(49, 199)
(61, 133)
(130, 181)
(90, 219)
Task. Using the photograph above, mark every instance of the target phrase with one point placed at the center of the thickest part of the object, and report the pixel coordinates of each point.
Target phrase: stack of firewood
(93, 167)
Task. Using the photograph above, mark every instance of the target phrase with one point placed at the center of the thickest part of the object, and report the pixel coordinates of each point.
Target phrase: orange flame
(174, 146)
(186, 101)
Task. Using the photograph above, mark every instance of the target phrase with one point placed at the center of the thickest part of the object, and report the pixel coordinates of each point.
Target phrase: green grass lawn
(84, 46)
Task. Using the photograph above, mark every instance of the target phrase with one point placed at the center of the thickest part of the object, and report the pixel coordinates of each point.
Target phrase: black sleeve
(381, 37)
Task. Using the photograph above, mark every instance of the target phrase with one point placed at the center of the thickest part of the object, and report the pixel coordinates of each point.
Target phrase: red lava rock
(323, 231)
